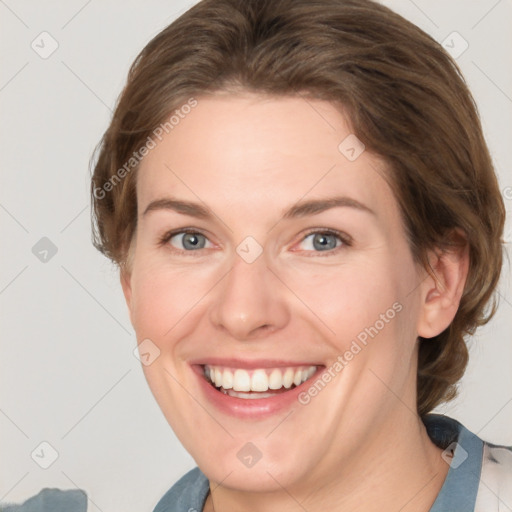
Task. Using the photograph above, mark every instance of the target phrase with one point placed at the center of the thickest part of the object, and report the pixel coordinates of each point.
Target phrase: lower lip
(251, 408)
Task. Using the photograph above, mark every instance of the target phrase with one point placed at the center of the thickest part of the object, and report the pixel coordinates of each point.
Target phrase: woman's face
(295, 266)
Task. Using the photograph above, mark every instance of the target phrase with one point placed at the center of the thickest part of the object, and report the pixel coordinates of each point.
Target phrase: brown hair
(404, 95)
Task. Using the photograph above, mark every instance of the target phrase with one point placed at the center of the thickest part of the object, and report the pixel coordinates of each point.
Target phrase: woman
(307, 224)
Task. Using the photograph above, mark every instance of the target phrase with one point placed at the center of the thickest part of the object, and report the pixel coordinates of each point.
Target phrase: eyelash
(345, 239)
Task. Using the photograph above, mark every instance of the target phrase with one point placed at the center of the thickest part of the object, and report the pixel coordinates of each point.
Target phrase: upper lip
(252, 363)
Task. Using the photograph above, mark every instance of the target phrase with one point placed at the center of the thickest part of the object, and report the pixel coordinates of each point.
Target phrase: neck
(399, 468)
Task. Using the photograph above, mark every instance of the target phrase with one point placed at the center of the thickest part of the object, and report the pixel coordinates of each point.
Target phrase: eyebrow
(301, 209)
(316, 206)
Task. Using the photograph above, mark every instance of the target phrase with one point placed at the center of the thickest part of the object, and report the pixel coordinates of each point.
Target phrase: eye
(322, 241)
(186, 240)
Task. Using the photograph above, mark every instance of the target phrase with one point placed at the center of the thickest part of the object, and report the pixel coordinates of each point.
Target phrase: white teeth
(241, 381)
(227, 379)
(275, 381)
(288, 378)
(249, 396)
(258, 381)
(218, 377)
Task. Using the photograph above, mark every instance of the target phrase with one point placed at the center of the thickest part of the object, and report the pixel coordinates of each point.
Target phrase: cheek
(367, 315)
(164, 295)
(347, 298)
(151, 307)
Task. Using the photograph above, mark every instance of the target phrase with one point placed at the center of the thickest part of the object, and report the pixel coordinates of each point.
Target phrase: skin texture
(359, 444)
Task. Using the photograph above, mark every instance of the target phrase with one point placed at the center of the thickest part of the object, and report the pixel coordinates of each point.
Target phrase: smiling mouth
(257, 383)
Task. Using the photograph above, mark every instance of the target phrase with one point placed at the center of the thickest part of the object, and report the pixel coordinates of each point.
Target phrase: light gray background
(68, 375)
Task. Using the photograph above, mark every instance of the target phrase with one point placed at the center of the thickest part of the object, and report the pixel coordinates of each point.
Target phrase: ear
(125, 278)
(442, 289)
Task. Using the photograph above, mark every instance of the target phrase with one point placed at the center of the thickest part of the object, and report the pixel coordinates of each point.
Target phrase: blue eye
(322, 241)
(188, 241)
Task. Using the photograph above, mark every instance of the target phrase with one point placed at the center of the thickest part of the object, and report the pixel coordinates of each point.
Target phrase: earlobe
(442, 289)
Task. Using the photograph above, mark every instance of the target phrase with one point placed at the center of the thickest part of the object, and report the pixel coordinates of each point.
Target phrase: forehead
(251, 150)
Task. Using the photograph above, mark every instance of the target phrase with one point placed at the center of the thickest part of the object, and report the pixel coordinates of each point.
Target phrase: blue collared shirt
(479, 478)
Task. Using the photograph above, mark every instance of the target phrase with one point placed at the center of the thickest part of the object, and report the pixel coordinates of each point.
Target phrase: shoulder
(188, 494)
(480, 474)
(495, 489)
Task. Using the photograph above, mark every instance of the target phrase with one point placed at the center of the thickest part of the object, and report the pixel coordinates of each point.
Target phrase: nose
(250, 301)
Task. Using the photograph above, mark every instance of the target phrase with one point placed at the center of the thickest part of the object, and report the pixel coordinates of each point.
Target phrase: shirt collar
(460, 487)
